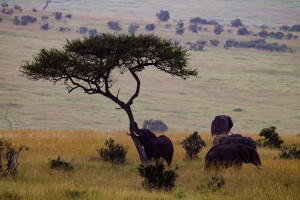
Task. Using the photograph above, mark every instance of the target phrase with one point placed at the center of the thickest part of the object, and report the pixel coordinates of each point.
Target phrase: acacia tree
(87, 64)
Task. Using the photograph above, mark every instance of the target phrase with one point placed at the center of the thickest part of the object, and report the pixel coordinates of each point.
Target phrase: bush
(9, 158)
(59, 164)
(214, 42)
(271, 138)
(218, 29)
(156, 177)
(150, 27)
(194, 28)
(115, 153)
(243, 31)
(215, 183)
(115, 26)
(163, 15)
(57, 15)
(198, 45)
(155, 125)
(198, 20)
(133, 28)
(236, 23)
(289, 153)
(193, 145)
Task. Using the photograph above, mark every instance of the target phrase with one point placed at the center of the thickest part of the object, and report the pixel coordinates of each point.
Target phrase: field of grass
(263, 85)
(279, 178)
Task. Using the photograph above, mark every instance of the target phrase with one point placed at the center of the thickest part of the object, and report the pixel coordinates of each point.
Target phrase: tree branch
(137, 91)
(8, 121)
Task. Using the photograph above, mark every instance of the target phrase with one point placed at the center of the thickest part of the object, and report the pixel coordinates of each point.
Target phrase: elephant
(226, 155)
(155, 147)
(221, 125)
(219, 139)
(247, 141)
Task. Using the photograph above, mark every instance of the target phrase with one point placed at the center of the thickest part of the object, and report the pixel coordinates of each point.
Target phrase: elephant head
(222, 124)
(250, 155)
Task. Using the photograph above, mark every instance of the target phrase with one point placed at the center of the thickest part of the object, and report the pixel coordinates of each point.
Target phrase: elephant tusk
(259, 167)
(135, 134)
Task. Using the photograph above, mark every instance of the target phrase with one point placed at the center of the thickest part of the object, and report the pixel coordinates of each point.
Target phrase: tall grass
(279, 178)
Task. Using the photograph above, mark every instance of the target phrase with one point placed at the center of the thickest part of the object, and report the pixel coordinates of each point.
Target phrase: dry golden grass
(279, 178)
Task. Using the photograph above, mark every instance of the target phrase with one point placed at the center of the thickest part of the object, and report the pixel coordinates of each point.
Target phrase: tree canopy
(88, 63)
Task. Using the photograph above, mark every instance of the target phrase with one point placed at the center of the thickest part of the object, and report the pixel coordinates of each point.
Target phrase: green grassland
(279, 178)
(263, 85)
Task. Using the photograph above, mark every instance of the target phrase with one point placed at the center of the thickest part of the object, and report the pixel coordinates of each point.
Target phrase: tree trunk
(135, 139)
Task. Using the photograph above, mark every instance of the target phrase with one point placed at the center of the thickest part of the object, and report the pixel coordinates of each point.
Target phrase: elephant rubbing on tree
(155, 147)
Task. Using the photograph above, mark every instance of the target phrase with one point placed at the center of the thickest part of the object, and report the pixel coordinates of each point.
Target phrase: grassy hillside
(279, 178)
(257, 88)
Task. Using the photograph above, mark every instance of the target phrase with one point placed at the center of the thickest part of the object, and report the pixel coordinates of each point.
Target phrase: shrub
(198, 20)
(215, 183)
(115, 153)
(115, 26)
(45, 26)
(263, 33)
(83, 30)
(150, 27)
(194, 28)
(193, 145)
(214, 42)
(198, 45)
(236, 23)
(295, 28)
(218, 29)
(60, 164)
(133, 28)
(93, 31)
(289, 153)
(271, 137)
(156, 177)
(57, 15)
(163, 15)
(243, 31)
(276, 35)
(9, 158)
(155, 125)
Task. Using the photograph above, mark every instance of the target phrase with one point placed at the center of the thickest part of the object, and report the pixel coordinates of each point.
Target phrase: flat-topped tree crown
(88, 63)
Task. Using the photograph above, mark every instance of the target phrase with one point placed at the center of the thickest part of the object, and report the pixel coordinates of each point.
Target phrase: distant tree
(194, 28)
(180, 28)
(155, 125)
(133, 28)
(243, 31)
(193, 145)
(236, 23)
(163, 15)
(115, 26)
(214, 42)
(150, 27)
(218, 29)
(88, 64)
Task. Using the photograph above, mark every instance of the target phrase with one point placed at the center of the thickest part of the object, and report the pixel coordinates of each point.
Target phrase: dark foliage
(295, 28)
(157, 177)
(60, 164)
(155, 125)
(263, 33)
(64, 29)
(115, 26)
(133, 28)
(25, 19)
(115, 153)
(93, 31)
(150, 27)
(276, 35)
(45, 26)
(69, 16)
(198, 20)
(285, 28)
(218, 29)
(83, 30)
(271, 138)
(236, 23)
(44, 17)
(216, 183)
(243, 31)
(290, 152)
(163, 15)
(198, 45)
(194, 28)
(57, 15)
(260, 44)
(214, 42)
(9, 156)
(193, 145)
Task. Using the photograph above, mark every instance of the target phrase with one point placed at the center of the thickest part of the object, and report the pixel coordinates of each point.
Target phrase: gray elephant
(247, 141)
(226, 155)
(221, 125)
(155, 147)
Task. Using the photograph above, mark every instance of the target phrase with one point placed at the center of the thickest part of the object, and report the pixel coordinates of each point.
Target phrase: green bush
(193, 145)
(157, 177)
(116, 153)
(289, 153)
(216, 183)
(60, 164)
(9, 158)
(271, 138)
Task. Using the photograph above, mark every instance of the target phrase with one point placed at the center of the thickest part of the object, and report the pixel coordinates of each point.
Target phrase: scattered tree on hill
(115, 26)
(88, 64)
(163, 15)
(150, 27)
(218, 29)
(133, 28)
(155, 125)
(236, 23)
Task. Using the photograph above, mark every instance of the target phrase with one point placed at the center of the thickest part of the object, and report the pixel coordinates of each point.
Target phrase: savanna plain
(256, 88)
